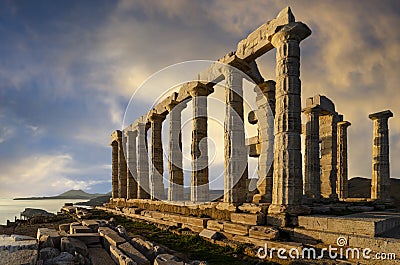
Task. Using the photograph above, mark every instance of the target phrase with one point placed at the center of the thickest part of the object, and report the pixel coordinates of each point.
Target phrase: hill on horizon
(70, 194)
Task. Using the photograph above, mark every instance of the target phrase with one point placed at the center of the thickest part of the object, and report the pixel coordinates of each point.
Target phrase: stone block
(119, 257)
(215, 225)
(209, 234)
(110, 236)
(134, 254)
(271, 244)
(167, 259)
(194, 228)
(76, 229)
(72, 245)
(195, 221)
(87, 238)
(17, 249)
(264, 232)
(248, 218)
(254, 208)
(64, 227)
(99, 256)
(92, 224)
(48, 237)
(237, 229)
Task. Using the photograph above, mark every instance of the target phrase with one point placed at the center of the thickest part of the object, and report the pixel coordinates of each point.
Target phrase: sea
(9, 208)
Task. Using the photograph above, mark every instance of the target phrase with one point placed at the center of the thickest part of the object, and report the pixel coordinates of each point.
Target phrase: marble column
(132, 188)
(199, 186)
(288, 180)
(122, 168)
(175, 167)
(143, 163)
(265, 100)
(157, 165)
(380, 185)
(114, 170)
(236, 171)
(342, 169)
(312, 180)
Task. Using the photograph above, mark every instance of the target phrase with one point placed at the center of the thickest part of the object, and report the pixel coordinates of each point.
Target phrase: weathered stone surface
(119, 257)
(48, 253)
(342, 170)
(264, 232)
(215, 225)
(209, 234)
(92, 224)
(87, 238)
(270, 244)
(237, 229)
(48, 237)
(72, 245)
(111, 236)
(167, 259)
(248, 219)
(134, 254)
(64, 227)
(76, 229)
(99, 256)
(17, 249)
(64, 258)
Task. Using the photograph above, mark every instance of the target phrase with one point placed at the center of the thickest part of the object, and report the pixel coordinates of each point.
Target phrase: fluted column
(342, 169)
(380, 186)
(122, 168)
(175, 167)
(236, 172)
(199, 186)
(157, 165)
(114, 170)
(265, 113)
(288, 180)
(143, 163)
(312, 180)
(132, 188)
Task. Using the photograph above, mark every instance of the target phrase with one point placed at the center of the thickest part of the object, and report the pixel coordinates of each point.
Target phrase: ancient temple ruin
(283, 193)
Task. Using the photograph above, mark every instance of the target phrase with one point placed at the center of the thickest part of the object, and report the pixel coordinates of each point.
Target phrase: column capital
(154, 116)
(343, 124)
(175, 104)
(312, 109)
(116, 136)
(200, 89)
(292, 31)
(265, 87)
(386, 114)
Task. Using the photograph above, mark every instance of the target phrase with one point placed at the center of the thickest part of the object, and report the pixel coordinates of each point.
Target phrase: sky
(68, 70)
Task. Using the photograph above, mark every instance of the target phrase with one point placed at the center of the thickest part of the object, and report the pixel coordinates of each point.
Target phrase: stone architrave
(143, 163)
(342, 184)
(199, 187)
(175, 167)
(288, 179)
(122, 168)
(157, 164)
(132, 187)
(236, 171)
(380, 185)
(265, 113)
(312, 180)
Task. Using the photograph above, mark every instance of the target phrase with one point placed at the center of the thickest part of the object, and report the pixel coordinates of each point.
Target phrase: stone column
(132, 188)
(342, 183)
(122, 168)
(312, 180)
(143, 163)
(157, 165)
(199, 186)
(265, 113)
(114, 170)
(175, 167)
(380, 185)
(328, 161)
(288, 180)
(236, 172)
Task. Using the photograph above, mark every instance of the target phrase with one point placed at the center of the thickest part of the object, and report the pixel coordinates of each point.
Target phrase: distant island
(71, 194)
